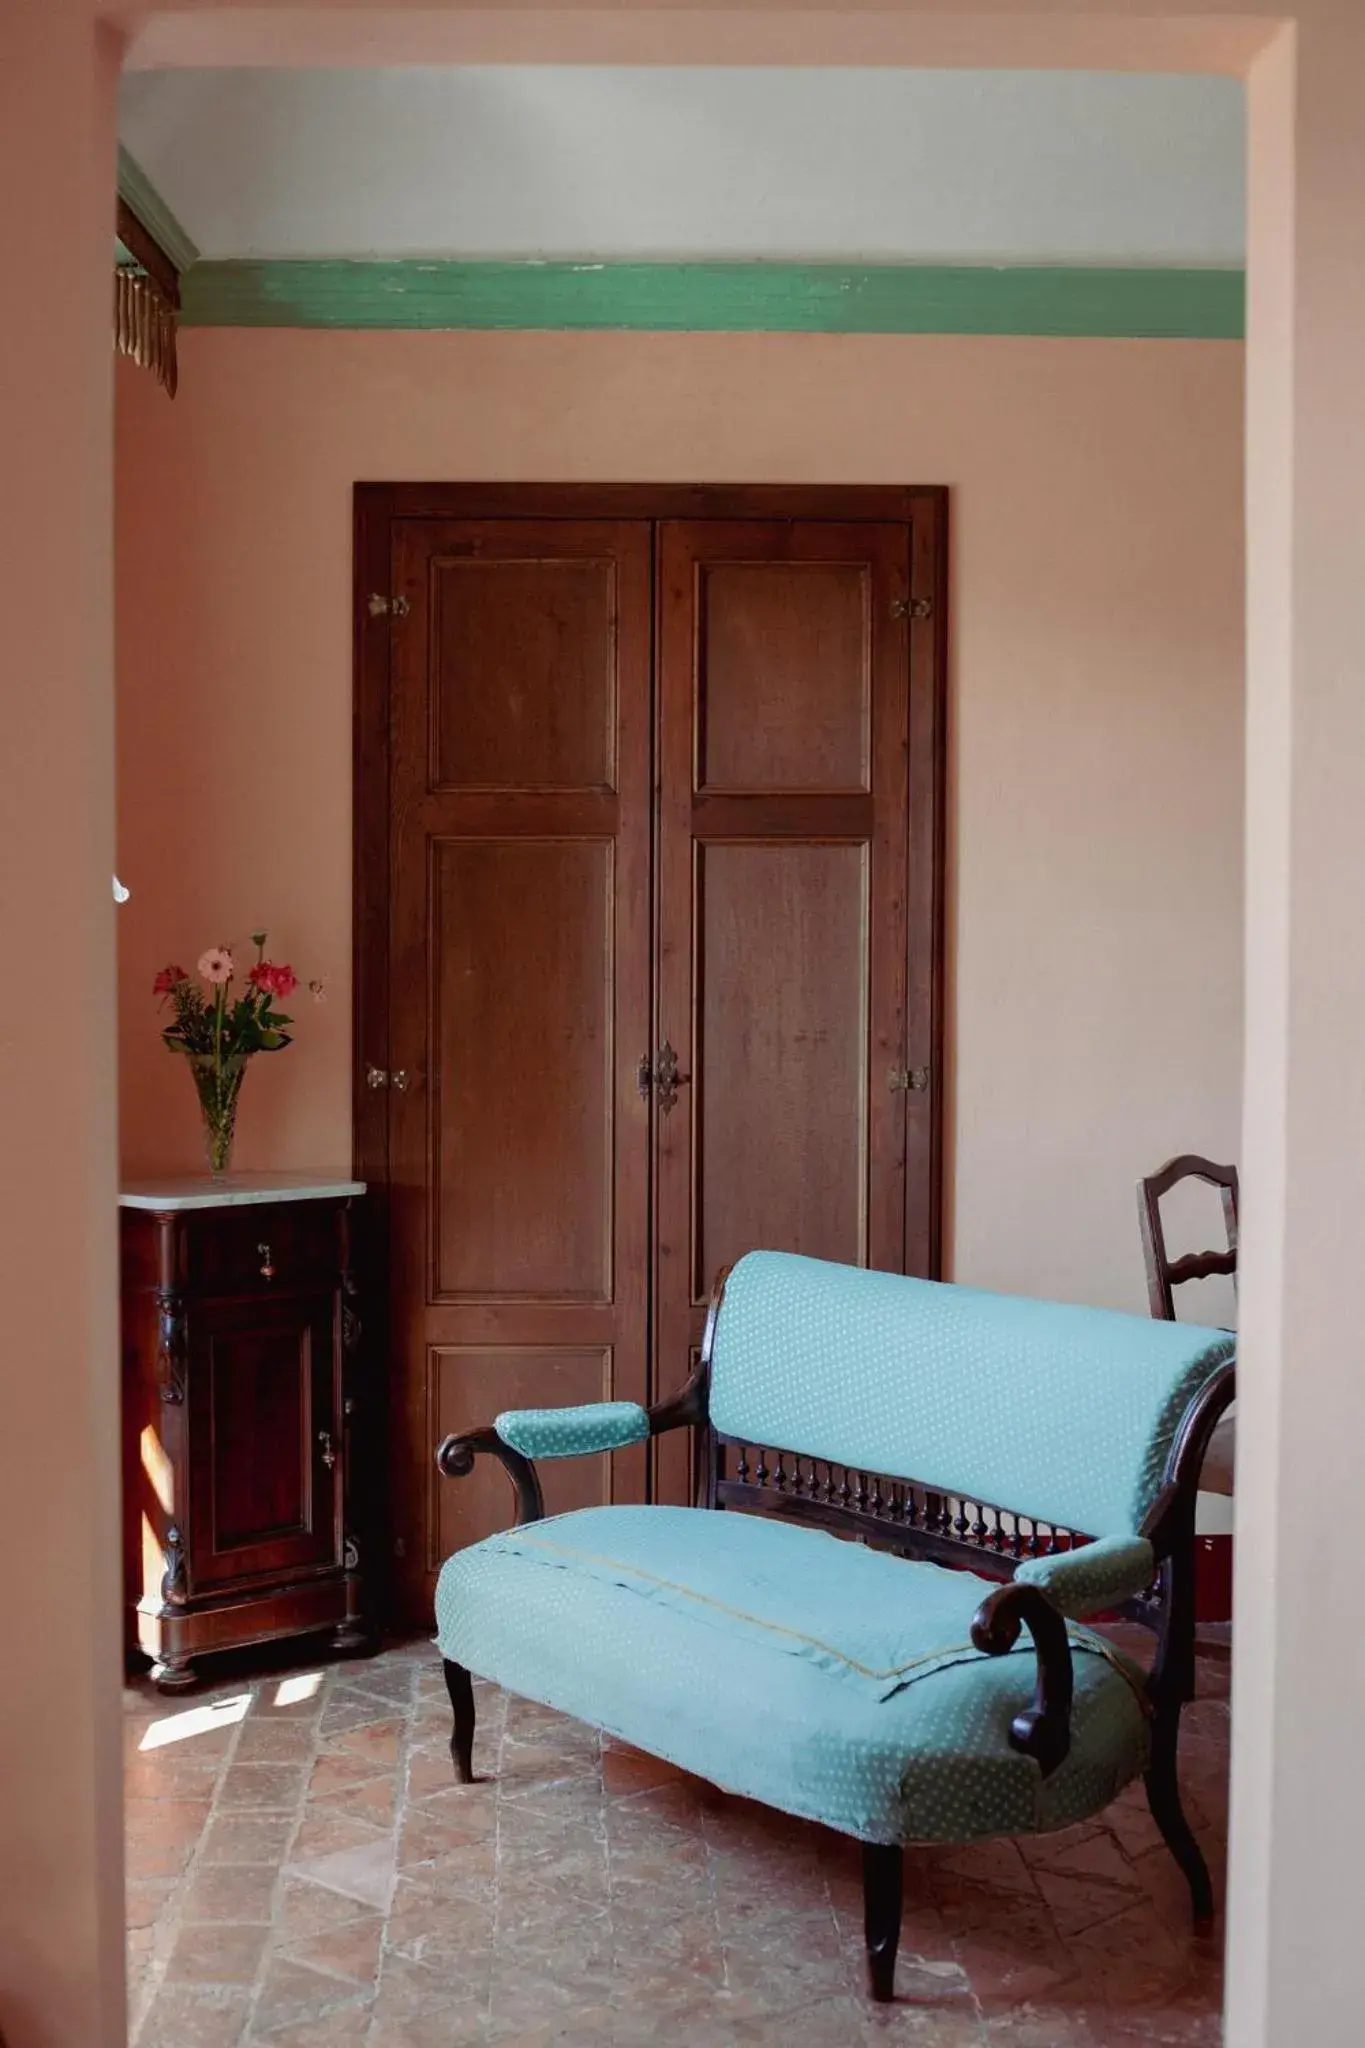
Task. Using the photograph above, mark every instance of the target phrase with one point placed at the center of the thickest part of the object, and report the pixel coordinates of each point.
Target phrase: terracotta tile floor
(303, 1873)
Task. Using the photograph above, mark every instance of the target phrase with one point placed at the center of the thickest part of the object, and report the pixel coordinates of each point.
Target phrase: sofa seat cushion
(828, 1680)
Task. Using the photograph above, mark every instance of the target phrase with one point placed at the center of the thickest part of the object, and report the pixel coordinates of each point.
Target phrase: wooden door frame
(923, 507)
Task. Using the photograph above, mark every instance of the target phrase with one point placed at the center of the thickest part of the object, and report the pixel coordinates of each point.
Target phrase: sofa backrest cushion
(1063, 1414)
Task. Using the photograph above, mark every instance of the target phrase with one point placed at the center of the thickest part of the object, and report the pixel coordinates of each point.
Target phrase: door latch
(667, 1079)
(661, 1076)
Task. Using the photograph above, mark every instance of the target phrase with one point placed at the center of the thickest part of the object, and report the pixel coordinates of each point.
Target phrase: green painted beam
(141, 197)
(815, 298)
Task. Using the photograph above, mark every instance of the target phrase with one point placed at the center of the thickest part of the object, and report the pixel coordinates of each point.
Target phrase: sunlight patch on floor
(291, 1690)
(194, 1721)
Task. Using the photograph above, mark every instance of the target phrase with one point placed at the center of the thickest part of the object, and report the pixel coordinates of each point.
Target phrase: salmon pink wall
(61, 1870)
(1095, 820)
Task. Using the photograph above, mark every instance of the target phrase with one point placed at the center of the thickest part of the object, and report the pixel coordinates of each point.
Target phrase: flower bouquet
(218, 1032)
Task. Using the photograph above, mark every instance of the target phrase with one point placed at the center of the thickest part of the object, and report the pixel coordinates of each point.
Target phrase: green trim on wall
(817, 298)
(141, 197)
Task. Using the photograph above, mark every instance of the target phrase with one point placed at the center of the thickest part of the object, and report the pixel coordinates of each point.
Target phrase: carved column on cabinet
(171, 1670)
(353, 1634)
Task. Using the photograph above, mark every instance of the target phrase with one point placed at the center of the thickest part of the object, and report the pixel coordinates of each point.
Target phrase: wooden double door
(647, 921)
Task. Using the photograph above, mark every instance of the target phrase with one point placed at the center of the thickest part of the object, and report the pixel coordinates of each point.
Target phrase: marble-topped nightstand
(242, 1382)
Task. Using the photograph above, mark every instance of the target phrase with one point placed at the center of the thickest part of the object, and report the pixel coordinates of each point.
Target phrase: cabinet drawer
(267, 1247)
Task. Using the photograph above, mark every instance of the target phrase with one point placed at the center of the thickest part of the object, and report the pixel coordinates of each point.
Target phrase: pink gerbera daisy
(216, 965)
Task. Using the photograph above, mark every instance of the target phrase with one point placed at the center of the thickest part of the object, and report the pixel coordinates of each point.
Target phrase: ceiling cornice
(142, 199)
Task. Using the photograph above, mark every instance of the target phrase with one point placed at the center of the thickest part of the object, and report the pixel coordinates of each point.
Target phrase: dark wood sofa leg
(1163, 1796)
(883, 1864)
(460, 1686)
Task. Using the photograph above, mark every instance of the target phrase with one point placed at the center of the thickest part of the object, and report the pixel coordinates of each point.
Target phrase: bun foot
(173, 1674)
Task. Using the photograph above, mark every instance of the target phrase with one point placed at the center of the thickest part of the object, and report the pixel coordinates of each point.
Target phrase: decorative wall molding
(819, 298)
(141, 197)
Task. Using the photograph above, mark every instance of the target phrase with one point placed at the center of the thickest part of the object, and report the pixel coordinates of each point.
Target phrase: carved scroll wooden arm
(687, 1409)
(455, 1459)
(1043, 1729)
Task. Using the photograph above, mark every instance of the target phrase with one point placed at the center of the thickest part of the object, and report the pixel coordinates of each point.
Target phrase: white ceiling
(602, 162)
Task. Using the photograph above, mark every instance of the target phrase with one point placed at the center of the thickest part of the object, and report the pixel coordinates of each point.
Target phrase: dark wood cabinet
(648, 892)
(242, 1403)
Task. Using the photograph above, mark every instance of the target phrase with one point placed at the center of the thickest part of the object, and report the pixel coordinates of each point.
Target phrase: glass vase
(218, 1083)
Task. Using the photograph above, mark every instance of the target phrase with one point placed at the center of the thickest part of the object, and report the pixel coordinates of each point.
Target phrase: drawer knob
(267, 1262)
(329, 1456)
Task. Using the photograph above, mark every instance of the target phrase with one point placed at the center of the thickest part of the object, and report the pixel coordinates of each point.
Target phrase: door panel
(524, 673)
(263, 1498)
(783, 697)
(781, 940)
(781, 1042)
(519, 994)
(521, 1081)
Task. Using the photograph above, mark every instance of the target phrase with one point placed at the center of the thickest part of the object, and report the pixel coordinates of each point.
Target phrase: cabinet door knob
(329, 1456)
(267, 1262)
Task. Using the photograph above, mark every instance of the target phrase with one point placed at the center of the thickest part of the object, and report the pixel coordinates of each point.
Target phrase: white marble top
(232, 1190)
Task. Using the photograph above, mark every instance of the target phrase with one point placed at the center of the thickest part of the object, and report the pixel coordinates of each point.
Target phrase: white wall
(589, 161)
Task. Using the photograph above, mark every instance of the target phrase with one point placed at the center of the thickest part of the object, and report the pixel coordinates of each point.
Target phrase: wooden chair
(1165, 1274)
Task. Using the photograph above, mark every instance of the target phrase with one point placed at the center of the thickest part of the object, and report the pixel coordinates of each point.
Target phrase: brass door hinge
(908, 1080)
(913, 608)
(382, 607)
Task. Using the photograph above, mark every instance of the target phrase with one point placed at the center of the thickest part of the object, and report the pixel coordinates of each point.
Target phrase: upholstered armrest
(1043, 1729)
(573, 1432)
(1094, 1577)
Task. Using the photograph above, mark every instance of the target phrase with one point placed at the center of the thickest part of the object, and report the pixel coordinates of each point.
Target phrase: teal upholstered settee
(862, 1684)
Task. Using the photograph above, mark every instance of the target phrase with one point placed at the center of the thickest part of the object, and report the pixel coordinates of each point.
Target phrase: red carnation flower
(167, 980)
(274, 981)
